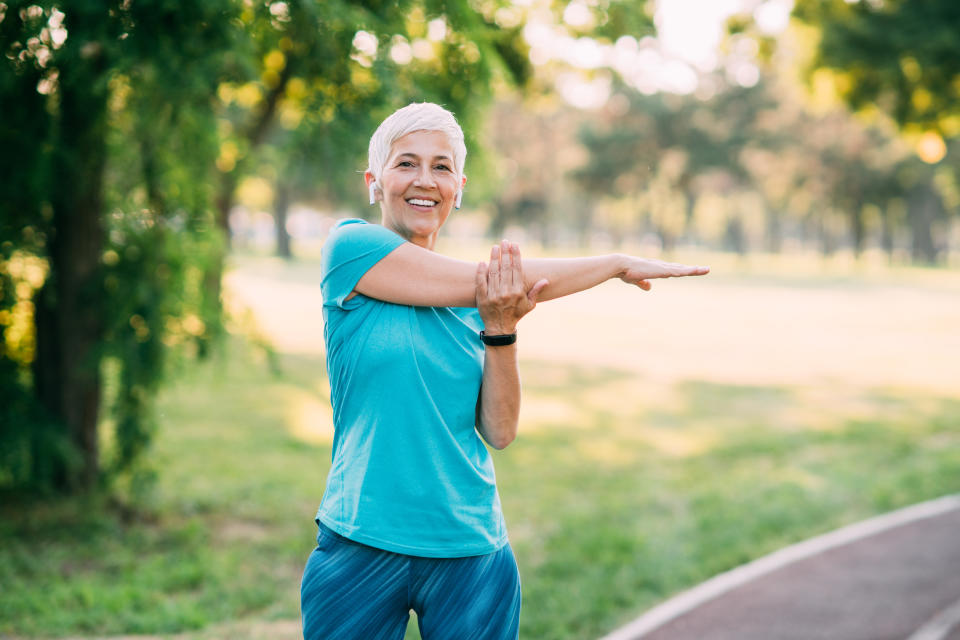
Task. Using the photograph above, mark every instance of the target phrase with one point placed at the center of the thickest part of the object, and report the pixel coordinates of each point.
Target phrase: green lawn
(621, 490)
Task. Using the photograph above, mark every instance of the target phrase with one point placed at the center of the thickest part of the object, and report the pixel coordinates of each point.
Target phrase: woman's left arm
(502, 299)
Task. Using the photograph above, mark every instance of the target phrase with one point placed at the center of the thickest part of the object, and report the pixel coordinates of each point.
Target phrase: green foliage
(153, 282)
(22, 134)
(149, 67)
(900, 55)
(901, 58)
(32, 446)
(302, 111)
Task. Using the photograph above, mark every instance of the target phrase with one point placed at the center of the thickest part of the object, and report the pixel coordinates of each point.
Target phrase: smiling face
(418, 186)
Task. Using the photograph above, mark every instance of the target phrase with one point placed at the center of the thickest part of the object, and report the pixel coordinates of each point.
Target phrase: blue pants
(354, 592)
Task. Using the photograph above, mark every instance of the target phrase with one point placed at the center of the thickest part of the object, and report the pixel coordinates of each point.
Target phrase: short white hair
(419, 116)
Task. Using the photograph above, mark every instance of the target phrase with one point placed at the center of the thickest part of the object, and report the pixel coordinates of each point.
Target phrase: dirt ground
(731, 329)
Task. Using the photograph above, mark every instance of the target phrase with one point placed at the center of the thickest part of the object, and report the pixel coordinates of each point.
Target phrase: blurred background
(170, 170)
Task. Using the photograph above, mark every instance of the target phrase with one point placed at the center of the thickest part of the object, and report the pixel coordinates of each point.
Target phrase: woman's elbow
(500, 436)
(501, 442)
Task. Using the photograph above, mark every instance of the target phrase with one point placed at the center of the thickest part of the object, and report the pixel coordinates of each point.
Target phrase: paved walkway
(894, 577)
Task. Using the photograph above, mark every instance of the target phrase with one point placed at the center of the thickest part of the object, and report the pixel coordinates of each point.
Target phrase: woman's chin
(425, 225)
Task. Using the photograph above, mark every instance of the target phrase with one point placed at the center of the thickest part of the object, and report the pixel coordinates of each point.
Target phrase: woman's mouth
(421, 202)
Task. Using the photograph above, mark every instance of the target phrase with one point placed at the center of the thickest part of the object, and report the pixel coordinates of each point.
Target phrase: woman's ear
(372, 185)
(459, 197)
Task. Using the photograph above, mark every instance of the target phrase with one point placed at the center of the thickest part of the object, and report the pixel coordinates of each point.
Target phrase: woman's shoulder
(349, 227)
(353, 235)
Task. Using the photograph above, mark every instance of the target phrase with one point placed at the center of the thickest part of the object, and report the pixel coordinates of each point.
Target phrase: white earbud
(373, 188)
(459, 200)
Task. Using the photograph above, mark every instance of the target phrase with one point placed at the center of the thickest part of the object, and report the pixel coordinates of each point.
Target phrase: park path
(893, 577)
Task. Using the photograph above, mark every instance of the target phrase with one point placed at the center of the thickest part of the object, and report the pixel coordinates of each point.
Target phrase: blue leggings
(354, 592)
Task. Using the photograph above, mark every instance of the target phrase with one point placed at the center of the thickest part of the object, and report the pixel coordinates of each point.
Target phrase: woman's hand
(502, 297)
(640, 271)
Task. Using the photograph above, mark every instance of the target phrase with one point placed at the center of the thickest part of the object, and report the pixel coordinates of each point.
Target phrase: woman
(422, 361)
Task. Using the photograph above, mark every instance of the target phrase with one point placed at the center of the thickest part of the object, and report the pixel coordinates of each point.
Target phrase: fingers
(678, 270)
(482, 281)
(493, 277)
(504, 275)
(506, 264)
(688, 270)
(642, 270)
(517, 266)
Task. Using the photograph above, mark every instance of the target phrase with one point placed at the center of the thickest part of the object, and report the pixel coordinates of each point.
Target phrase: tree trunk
(887, 231)
(735, 238)
(281, 206)
(668, 241)
(255, 134)
(224, 202)
(213, 273)
(68, 312)
(828, 243)
(774, 230)
(924, 206)
(857, 228)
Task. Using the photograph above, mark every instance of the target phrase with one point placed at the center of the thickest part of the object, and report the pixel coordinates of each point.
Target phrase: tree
(902, 58)
(655, 151)
(900, 55)
(72, 65)
(122, 114)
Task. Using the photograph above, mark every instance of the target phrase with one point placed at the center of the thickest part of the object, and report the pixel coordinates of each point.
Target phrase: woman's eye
(442, 167)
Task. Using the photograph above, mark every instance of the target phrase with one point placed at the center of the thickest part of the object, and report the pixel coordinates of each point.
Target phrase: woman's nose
(424, 178)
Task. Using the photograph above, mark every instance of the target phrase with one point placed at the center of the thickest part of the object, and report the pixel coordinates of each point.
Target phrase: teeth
(422, 203)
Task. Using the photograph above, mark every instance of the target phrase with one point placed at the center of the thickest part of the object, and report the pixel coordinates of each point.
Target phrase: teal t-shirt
(410, 473)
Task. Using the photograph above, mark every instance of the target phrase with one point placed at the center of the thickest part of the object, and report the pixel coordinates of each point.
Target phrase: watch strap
(499, 340)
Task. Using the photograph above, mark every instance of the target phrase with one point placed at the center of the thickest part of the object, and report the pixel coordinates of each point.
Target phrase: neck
(427, 242)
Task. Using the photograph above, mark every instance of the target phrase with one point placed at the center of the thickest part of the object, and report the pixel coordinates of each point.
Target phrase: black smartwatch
(501, 340)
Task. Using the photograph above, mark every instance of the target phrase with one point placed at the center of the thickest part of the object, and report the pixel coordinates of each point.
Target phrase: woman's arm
(418, 277)
(502, 299)
(570, 275)
(498, 406)
(415, 276)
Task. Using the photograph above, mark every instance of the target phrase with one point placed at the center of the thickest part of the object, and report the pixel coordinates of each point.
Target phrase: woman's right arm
(415, 276)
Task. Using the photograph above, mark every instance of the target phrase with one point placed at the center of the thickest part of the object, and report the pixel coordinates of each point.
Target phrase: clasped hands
(502, 296)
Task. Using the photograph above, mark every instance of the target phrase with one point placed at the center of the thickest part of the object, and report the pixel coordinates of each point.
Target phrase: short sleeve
(352, 247)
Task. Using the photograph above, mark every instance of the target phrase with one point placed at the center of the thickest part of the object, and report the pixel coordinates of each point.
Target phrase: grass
(606, 524)
(222, 536)
(626, 485)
